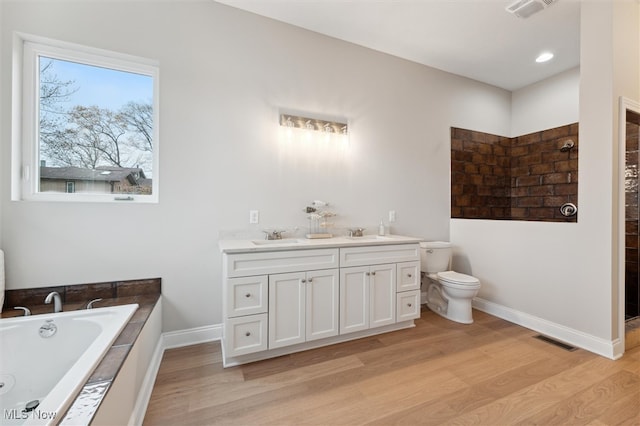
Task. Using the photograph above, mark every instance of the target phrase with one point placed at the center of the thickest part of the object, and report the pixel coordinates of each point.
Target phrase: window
(88, 124)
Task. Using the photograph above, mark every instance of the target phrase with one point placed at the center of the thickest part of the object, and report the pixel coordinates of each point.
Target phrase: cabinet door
(322, 294)
(286, 309)
(245, 335)
(382, 295)
(408, 307)
(354, 299)
(408, 276)
(246, 296)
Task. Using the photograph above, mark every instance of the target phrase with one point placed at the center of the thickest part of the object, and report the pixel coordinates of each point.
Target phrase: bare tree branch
(90, 136)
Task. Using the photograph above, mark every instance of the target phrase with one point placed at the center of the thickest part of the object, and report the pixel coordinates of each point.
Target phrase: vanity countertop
(257, 245)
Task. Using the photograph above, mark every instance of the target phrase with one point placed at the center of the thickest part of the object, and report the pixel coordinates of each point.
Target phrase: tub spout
(26, 311)
(57, 302)
(90, 304)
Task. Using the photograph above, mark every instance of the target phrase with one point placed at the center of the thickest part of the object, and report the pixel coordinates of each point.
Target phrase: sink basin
(275, 242)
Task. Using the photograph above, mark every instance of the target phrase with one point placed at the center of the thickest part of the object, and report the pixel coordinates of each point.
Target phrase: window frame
(25, 114)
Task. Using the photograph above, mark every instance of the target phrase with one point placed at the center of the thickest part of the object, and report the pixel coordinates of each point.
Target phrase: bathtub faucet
(25, 311)
(90, 304)
(57, 302)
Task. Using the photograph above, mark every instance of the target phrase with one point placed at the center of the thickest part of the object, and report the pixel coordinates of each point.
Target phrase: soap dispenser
(381, 229)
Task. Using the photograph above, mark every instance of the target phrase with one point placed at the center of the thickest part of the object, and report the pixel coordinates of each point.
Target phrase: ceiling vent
(526, 8)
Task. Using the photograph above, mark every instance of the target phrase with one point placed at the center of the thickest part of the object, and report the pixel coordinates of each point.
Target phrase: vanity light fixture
(544, 57)
(306, 123)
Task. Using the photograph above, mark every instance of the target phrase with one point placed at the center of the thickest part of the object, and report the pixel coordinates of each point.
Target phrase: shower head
(568, 145)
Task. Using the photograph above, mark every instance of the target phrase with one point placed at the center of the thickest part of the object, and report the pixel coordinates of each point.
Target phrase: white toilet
(448, 293)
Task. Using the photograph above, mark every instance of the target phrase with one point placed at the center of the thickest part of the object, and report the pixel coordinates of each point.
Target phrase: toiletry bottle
(381, 229)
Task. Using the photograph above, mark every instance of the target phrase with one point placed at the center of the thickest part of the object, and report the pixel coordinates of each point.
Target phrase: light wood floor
(491, 372)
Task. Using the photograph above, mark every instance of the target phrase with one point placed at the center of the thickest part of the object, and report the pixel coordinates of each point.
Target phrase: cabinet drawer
(408, 305)
(247, 295)
(245, 335)
(376, 255)
(408, 276)
(245, 264)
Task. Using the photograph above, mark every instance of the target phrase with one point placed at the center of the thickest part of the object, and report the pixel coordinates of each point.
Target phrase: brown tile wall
(632, 216)
(76, 296)
(523, 178)
(542, 177)
(480, 176)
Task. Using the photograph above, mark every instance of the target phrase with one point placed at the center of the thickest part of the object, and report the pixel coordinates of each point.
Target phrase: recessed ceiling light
(544, 57)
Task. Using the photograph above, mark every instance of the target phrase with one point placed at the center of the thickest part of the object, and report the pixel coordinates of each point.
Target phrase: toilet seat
(456, 279)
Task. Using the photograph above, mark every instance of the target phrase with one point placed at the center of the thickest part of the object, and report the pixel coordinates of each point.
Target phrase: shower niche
(533, 177)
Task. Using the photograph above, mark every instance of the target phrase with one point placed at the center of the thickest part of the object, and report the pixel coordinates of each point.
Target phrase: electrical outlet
(392, 215)
(254, 216)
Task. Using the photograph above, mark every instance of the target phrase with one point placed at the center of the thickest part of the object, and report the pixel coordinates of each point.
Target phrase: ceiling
(478, 39)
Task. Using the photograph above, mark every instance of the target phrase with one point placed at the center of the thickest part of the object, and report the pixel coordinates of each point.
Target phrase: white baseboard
(597, 345)
(192, 336)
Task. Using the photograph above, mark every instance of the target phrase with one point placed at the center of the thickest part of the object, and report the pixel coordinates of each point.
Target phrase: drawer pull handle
(303, 281)
(409, 275)
(409, 304)
(368, 273)
(248, 333)
(310, 280)
(247, 295)
(373, 273)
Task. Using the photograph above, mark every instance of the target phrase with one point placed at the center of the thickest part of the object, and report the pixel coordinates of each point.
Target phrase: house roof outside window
(135, 176)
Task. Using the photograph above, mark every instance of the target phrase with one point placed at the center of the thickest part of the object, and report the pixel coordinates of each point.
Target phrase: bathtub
(46, 360)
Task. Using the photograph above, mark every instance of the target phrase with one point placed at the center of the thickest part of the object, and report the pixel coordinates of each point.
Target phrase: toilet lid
(458, 278)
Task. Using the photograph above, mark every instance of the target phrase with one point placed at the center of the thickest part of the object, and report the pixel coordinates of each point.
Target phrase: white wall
(527, 260)
(3, 112)
(547, 104)
(224, 74)
(626, 83)
(562, 278)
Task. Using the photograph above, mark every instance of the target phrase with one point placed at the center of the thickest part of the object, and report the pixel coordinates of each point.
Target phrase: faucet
(57, 302)
(26, 311)
(357, 232)
(90, 304)
(273, 235)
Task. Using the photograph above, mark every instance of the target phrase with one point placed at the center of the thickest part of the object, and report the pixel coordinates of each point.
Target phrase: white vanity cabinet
(281, 300)
(246, 296)
(408, 287)
(246, 305)
(367, 297)
(303, 306)
(408, 305)
(273, 298)
(245, 335)
(408, 276)
(379, 285)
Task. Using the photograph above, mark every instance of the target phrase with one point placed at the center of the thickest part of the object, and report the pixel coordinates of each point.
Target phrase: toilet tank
(435, 256)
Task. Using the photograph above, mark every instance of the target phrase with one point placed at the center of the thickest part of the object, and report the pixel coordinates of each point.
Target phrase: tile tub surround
(146, 293)
(77, 296)
(521, 178)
